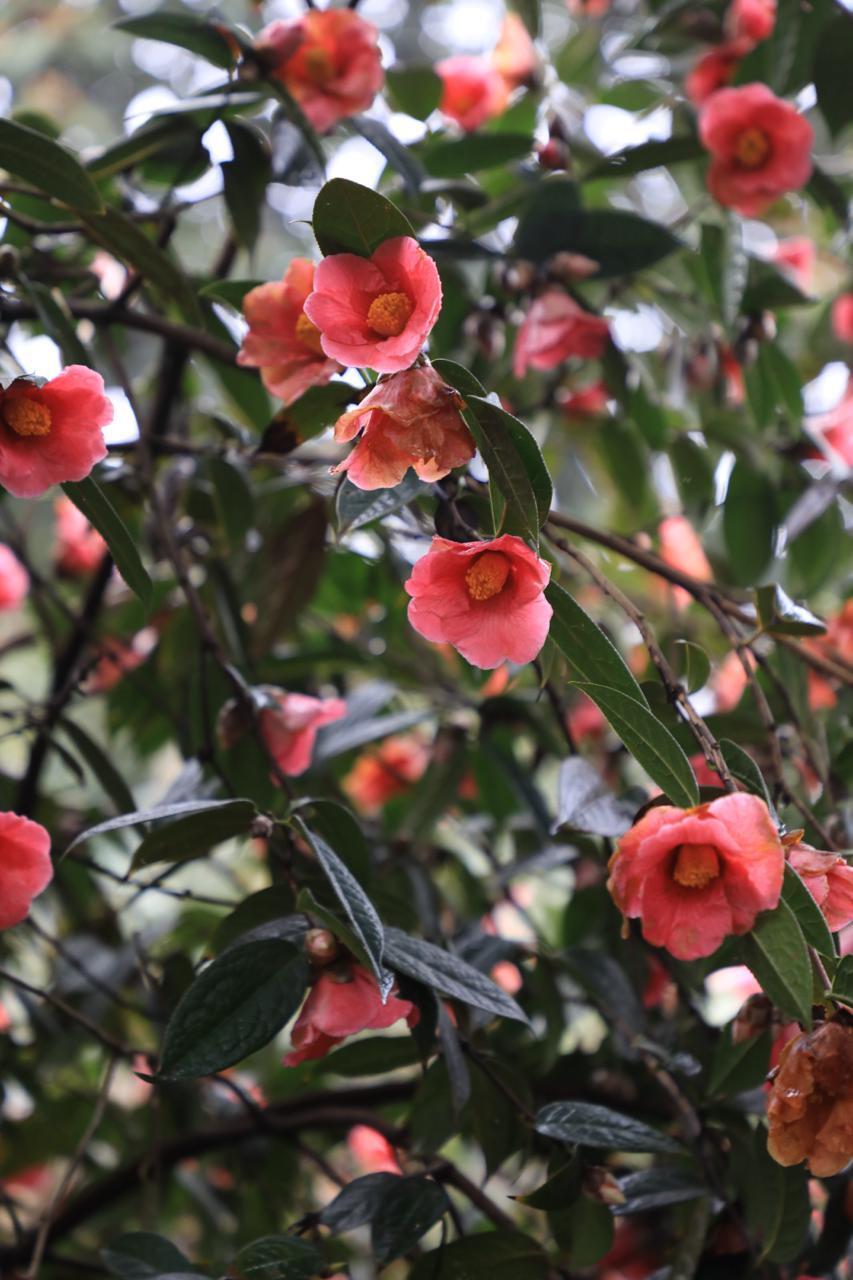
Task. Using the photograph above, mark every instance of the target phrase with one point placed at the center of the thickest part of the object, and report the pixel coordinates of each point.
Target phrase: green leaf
(414, 90)
(650, 155)
(831, 71)
(585, 1124)
(809, 915)
(215, 42)
(353, 731)
(456, 375)
(56, 320)
(620, 242)
(738, 1067)
(515, 463)
(693, 665)
(373, 1057)
(749, 523)
(231, 292)
(194, 835)
(776, 953)
(490, 1255)
(585, 803)
(100, 765)
(842, 983)
(649, 742)
(402, 158)
(355, 508)
(407, 1210)
(340, 829)
(560, 1190)
(777, 1203)
(129, 243)
(235, 502)
(553, 201)
(27, 153)
(350, 218)
(780, 615)
(91, 499)
(360, 911)
(743, 769)
(278, 1258)
(355, 1205)
(245, 179)
(588, 650)
(453, 158)
(585, 1231)
(658, 1187)
(235, 1007)
(694, 473)
(448, 974)
(141, 1255)
(136, 818)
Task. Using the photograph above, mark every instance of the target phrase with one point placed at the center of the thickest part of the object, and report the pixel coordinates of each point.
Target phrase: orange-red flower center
(26, 417)
(487, 575)
(389, 314)
(308, 334)
(696, 865)
(319, 65)
(752, 148)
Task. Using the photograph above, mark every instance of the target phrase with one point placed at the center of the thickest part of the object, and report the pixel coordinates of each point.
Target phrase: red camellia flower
(289, 728)
(833, 430)
(760, 147)
(750, 20)
(388, 771)
(376, 312)
(484, 598)
(281, 341)
(586, 402)
(371, 1150)
(328, 60)
(829, 879)
(79, 548)
(712, 72)
(14, 580)
(52, 433)
(554, 329)
(797, 257)
(694, 876)
(344, 1000)
(411, 419)
(842, 317)
(514, 57)
(25, 866)
(473, 90)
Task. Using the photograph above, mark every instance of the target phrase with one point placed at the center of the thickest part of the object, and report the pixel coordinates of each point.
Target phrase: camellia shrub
(426, 647)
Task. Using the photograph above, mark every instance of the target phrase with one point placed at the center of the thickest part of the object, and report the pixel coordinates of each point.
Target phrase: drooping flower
(514, 56)
(760, 147)
(554, 329)
(376, 312)
(79, 548)
(810, 1110)
(281, 341)
(371, 1150)
(473, 90)
(328, 59)
(842, 317)
(695, 876)
(389, 770)
(829, 879)
(289, 728)
(52, 433)
(411, 419)
(14, 580)
(343, 1000)
(25, 866)
(797, 257)
(485, 598)
(681, 549)
(750, 20)
(712, 71)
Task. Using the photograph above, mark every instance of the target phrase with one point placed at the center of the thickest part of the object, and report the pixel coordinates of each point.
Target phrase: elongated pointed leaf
(516, 466)
(135, 819)
(775, 951)
(90, 498)
(448, 974)
(350, 218)
(26, 153)
(195, 834)
(587, 1125)
(592, 656)
(809, 915)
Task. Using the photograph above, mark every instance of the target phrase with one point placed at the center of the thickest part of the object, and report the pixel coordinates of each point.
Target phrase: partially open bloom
(554, 329)
(485, 598)
(344, 1000)
(52, 433)
(797, 257)
(712, 71)
(695, 876)
(681, 549)
(376, 312)
(389, 770)
(14, 580)
(328, 59)
(810, 1111)
(829, 879)
(289, 728)
(760, 147)
(842, 317)
(79, 548)
(371, 1150)
(473, 92)
(411, 419)
(281, 341)
(514, 56)
(750, 20)
(25, 866)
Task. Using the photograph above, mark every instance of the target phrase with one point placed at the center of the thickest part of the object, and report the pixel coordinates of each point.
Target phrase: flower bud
(321, 946)
(600, 1184)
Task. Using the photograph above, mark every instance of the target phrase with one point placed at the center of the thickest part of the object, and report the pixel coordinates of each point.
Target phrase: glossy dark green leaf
(177, 810)
(357, 731)
(586, 803)
(414, 90)
(620, 242)
(516, 466)
(141, 1255)
(780, 615)
(584, 1231)
(809, 915)
(777, 1203)
(215, 42)
(235, 1007)
(561, 1189)
(737, 1067)
(448, 974)
(831, 71)
(278, 1258)
(340, 829)
(195, 834)
(402, 159)
(456, 375)
(775, 951)
(842, 983)
(407, 1210)
(490, 1255)
(749, 523)
(29, 154)
(591, 655)
(649, 155)
(355, 508)
(743, 768)
(454, 157)
(100, 764)
(91, 499)
(245, 179)
(656, 1188)
(350, 218)
(356, 1204)
(585, 1124)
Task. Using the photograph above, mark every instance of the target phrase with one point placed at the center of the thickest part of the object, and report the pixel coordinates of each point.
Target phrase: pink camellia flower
(585, 720)
(391, 769)
(473, 91)
(695, 876)
(842, 317)
(371, 1150)
(587, 402)
(705, 775)
(14, 580)
(797, 257)
(833, 430)
(681, 549)
(289, 728)
(750, 20)
(514, 57)
(328, 59)
(712, 71)
(376, 312)
(507, 976)
(760, 147)
(828, 878)
(52, 433)
(281, 341)
(344, 1000)
(485, 598)
(25, 866)
(554, 329)
(729, 681)
(411, 419)
(79, 548)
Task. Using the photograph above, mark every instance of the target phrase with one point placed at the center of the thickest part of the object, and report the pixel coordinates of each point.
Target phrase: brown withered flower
(810, 1111)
